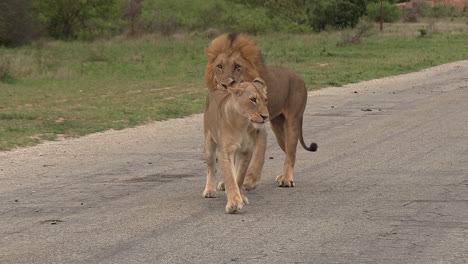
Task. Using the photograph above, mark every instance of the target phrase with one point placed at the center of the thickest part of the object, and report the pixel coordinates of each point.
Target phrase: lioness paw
(233, 207)
(209, 193)
(245, 199)
(221, 186)
(283, 182)
(249, 185)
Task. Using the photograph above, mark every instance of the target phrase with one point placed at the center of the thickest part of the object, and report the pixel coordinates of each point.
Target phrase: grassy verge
(66, 89)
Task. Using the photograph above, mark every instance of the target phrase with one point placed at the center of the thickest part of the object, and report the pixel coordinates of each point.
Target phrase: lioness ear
(260, 83)
(259, 80)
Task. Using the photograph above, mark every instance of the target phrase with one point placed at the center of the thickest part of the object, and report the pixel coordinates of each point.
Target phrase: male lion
(232, 120)
(235, 56)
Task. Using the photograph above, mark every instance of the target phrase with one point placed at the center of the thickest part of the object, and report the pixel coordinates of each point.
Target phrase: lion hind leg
(277, 125)
(287, 142)
(291, 139)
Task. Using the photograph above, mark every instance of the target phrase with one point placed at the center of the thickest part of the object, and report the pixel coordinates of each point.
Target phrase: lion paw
(233, 207)
(221, 186)
(284, 183)
(209, 193)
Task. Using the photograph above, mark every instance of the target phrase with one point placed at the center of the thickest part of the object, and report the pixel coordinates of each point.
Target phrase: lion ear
(260, 83)
(235, 89)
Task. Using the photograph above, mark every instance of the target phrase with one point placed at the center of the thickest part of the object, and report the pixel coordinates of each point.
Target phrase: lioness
(233, 118)
(234, 56)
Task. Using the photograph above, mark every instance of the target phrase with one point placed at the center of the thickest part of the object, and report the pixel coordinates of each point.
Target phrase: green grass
(66, 89)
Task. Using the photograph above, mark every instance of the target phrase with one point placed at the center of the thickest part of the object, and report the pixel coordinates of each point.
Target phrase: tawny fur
(234, 56)
(232, 119)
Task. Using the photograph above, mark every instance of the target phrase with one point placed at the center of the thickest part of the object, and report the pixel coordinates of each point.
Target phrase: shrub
(444, 11)
(168, 16)
(78, 19)
(422, 32)
(5, 70)
(391, 13)
(248, 20)
(336, 13)
(294, 27)
(416, 10)
(17, 23)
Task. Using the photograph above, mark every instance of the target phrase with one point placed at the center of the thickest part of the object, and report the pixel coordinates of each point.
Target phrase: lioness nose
(264, 117)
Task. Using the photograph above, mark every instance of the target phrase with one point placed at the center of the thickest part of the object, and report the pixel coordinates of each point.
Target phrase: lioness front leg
(210, 156)
(235, 201)
(242, 163)
(254, 171)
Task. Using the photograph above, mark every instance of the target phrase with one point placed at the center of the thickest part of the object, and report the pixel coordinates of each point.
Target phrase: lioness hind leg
(210, 156)
(254, 171)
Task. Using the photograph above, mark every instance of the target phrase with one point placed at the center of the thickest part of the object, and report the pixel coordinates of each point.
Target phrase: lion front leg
(254, 171)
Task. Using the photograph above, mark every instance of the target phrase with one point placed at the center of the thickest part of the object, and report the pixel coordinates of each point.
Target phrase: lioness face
(229, 67)
(252, 101)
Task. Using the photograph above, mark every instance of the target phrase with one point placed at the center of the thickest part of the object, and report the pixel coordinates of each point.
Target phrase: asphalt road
(389, 184)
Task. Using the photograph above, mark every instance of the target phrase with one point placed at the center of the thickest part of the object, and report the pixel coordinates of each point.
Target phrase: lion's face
(232, 56)
(229, 68)
(251, 101)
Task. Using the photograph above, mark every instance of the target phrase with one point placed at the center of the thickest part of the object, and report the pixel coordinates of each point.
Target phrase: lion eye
(266, 101)
(219, 66)
(253, 100)
(237, 67)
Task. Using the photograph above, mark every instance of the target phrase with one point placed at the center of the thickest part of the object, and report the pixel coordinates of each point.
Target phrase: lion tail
(313, 146)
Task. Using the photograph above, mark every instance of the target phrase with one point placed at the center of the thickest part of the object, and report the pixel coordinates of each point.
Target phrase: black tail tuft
(313, 147)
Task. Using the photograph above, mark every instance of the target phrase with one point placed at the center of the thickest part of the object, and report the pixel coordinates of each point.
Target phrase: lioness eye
(254, 100)
(237, 67)
(266, 101)
(219, 66)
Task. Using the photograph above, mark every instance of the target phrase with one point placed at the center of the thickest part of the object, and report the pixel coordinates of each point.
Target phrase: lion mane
(230, 43)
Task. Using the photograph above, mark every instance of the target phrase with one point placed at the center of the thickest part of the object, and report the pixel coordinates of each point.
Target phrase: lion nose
(264, 117)
(228, 83)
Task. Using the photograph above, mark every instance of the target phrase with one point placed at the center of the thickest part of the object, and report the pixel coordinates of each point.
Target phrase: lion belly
(285, 88)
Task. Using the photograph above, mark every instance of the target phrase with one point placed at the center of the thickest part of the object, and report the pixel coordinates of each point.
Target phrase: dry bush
(131, 11)
(413, 12)
(363, 29)
(6, 75)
